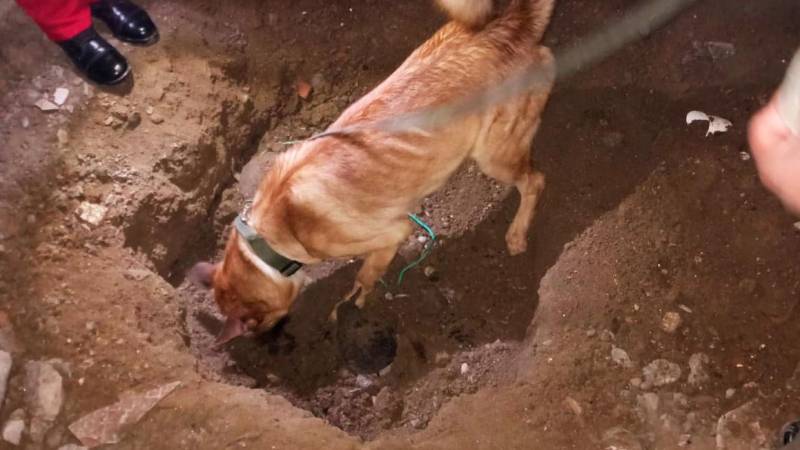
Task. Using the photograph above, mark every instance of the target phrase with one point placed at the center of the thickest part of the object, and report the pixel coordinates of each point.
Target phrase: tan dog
(348, 195)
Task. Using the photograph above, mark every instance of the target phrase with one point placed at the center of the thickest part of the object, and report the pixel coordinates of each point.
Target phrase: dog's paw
(517, 243)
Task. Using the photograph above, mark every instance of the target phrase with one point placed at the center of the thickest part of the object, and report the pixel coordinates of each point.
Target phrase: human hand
(776, 150)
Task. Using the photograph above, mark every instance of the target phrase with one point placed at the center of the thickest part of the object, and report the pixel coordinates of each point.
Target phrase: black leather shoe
(128, 22)
(95, 57)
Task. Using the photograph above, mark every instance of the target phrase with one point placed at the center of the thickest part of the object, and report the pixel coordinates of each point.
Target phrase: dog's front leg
(373, 268)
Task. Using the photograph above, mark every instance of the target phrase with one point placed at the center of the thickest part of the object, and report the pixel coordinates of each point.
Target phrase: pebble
(797, 226)
(26, 122)
(730, 393)
(636, 382)
(91, 213)
(46, 105)
(60, 96)
(62, 136)
(156, 118)
(685, 440)
(431, 273)
(591, 332)
(441, 358)
(5, 370)
(72, 447)
(698, 374)
(363, 382)
(273, 379)
(464, 368)
(621, 357)
(671, 322)
(14, 427)
(660, 373)
(45, 396)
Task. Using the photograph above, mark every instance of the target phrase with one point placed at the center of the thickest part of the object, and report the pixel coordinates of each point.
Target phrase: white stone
(45, 396)
(60, 96)
(698, 374)
(46, 105)
(621, 357)
(661, 372)
(14, 427)
(91, 213)
(5, 370)
(464, 368)
(671, 322)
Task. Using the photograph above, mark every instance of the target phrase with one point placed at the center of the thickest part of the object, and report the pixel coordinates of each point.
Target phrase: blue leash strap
(425, 252)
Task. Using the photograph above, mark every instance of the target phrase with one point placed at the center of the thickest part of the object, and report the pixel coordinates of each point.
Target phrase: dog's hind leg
(510, 163)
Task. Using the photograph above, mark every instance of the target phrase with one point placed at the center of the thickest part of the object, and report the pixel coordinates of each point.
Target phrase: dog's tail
(476, 13)
(472, 13)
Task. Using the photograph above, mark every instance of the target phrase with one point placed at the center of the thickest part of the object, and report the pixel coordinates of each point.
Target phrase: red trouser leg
(59, 19)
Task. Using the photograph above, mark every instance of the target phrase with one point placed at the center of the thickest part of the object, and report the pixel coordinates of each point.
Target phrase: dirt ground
(656, 307)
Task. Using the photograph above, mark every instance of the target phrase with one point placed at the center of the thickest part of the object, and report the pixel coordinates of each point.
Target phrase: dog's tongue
(233, 328)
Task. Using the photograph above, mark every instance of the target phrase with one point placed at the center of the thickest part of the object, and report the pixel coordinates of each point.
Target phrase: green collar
(263, 251)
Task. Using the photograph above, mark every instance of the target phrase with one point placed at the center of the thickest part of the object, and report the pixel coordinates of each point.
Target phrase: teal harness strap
(425, 252)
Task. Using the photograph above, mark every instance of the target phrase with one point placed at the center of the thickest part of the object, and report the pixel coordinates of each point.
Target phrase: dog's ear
(202, 274)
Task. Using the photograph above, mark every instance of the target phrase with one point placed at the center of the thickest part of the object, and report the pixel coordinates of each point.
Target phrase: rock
(134, 120)
(618, 438)
(26, 122)
(91, 213)
(431, 273)
(273, 379)
(60, 96)
(720, 50)
(8, 339)
(45, 396)
(730, 393)
(137, 274)
(109, 121)
(363, 382)
(660, 373)
(698, 374)
(62, 136)
(636, 382)
(648, 407)
(621, 357)
(464, 368)
(671, 321)
(14, 427)
(797, 226)
(46, 105)
(303, 89)
(740, 429)
(5, 371)
(156, 118)
(120, 112)
(685, 440)
(441, 359)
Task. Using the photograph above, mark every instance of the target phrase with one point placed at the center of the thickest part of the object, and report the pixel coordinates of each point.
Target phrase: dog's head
(251, 295)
